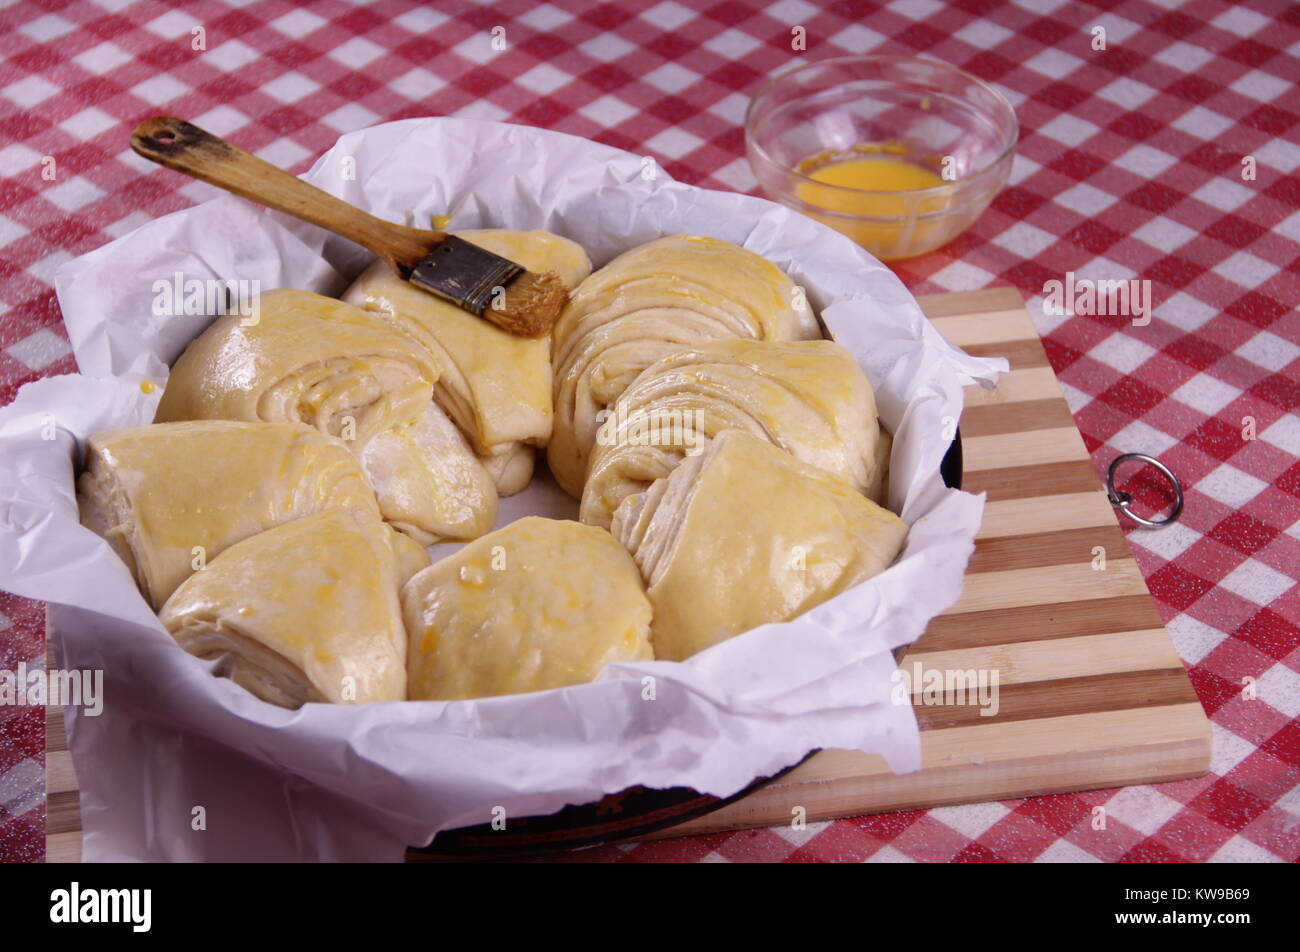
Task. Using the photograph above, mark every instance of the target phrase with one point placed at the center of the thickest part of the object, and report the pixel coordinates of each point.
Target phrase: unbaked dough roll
(495, 386)
(171, 496)
(541, 603)
(650, 303)
(510, 466)
(307, 611)
(411, 556)
(810, 398)
(744, 534)
(345, 371)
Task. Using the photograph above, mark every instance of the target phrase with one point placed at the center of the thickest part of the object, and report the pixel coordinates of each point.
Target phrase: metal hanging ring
(1122, 501)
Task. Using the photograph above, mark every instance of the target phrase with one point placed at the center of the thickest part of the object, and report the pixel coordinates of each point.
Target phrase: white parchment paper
(340, 782)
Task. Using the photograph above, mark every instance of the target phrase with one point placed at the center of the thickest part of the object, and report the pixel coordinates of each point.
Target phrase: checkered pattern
(1129, 165)
(22, 736)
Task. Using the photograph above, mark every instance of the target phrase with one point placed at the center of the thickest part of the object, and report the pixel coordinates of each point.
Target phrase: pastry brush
(494, 288)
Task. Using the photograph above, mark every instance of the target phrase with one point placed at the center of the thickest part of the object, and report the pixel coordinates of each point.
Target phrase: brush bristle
(531, 305)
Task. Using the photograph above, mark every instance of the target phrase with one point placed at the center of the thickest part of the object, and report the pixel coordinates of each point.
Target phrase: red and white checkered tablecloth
(1129, 166)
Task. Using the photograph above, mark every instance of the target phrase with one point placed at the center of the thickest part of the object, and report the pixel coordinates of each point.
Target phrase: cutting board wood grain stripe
(1090, 692)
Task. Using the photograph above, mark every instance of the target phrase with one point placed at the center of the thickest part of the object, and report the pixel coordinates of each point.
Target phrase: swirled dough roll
(810, 398)
(307, 611)
(647, 304)
(744, 534)
(495, 386)
(170, 496)
(314, 360)
(541, 603)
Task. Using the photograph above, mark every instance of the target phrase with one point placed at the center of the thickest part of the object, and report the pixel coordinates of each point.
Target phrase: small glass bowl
(920, 111)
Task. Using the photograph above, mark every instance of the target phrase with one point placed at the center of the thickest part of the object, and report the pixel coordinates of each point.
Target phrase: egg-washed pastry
(307, 611)
(744, 534)
(541, 603)
(495, 386)
(650, 303)
(411, 556)
(510, 466)
(314, 360)
(171, 497)
(810, 398)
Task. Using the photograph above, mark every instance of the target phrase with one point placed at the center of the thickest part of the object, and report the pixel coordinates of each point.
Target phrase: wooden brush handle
(186, 148)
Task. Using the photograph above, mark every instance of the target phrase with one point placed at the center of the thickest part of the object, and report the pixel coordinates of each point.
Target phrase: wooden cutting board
(1090, 690)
